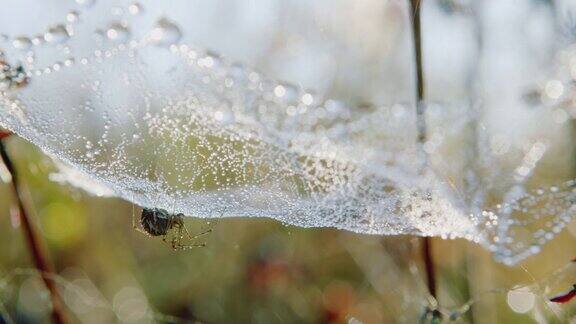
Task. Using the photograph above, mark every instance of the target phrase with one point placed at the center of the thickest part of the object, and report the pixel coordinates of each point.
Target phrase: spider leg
(176, 241)
(142, 231)
(181, 230)
(173, 244)
(193, 237)
(179, 246)
(208, 231)
(182, 227)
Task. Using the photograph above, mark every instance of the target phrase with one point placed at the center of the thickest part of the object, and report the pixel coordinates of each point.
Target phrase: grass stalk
(415, 18)
(34, 242)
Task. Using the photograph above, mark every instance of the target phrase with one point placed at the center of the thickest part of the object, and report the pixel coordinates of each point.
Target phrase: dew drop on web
(56, 35)
(22, 43)
(165, 33)
(118, 32)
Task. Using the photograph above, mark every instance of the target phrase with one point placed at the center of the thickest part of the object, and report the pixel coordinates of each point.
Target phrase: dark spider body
(157, 221)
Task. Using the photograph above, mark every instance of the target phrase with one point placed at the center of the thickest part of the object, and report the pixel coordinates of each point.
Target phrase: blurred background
(255, 270)
(261, 271)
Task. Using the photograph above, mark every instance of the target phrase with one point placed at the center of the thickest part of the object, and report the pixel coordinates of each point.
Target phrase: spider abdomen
(156, 221)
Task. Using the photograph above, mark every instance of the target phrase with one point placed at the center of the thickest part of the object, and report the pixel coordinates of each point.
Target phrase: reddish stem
(35, 246)
(565, 297)
(4, 134)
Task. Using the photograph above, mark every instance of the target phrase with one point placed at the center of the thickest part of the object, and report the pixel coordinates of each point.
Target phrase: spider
(158, 222)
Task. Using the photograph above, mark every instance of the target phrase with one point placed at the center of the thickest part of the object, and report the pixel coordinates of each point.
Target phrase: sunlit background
(261, 271)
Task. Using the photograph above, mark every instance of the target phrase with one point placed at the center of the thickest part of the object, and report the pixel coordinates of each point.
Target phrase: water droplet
(73, 17)
(37, 40)
(520, 300)
(287, 93)
(210, 61)
(279, 91)
(118, 32)
(56, 35)
(554, 89)
(307, 99)
(135, 8)
(22, 43)
(165, 33)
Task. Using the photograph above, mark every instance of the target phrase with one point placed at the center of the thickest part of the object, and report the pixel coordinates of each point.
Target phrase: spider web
(140, 114)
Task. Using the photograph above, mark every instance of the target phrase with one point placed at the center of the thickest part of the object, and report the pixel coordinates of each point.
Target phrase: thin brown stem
(415, 6)
(417, 41)
(429, 265)
(35, 245)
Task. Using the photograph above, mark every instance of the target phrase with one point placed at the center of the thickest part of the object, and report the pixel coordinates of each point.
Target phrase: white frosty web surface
(164, 124)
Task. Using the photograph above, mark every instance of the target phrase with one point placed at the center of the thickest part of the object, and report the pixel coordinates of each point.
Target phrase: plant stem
(35, 246)
(429, 264)
(4, 134)
(417, 41)
(415, 6)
